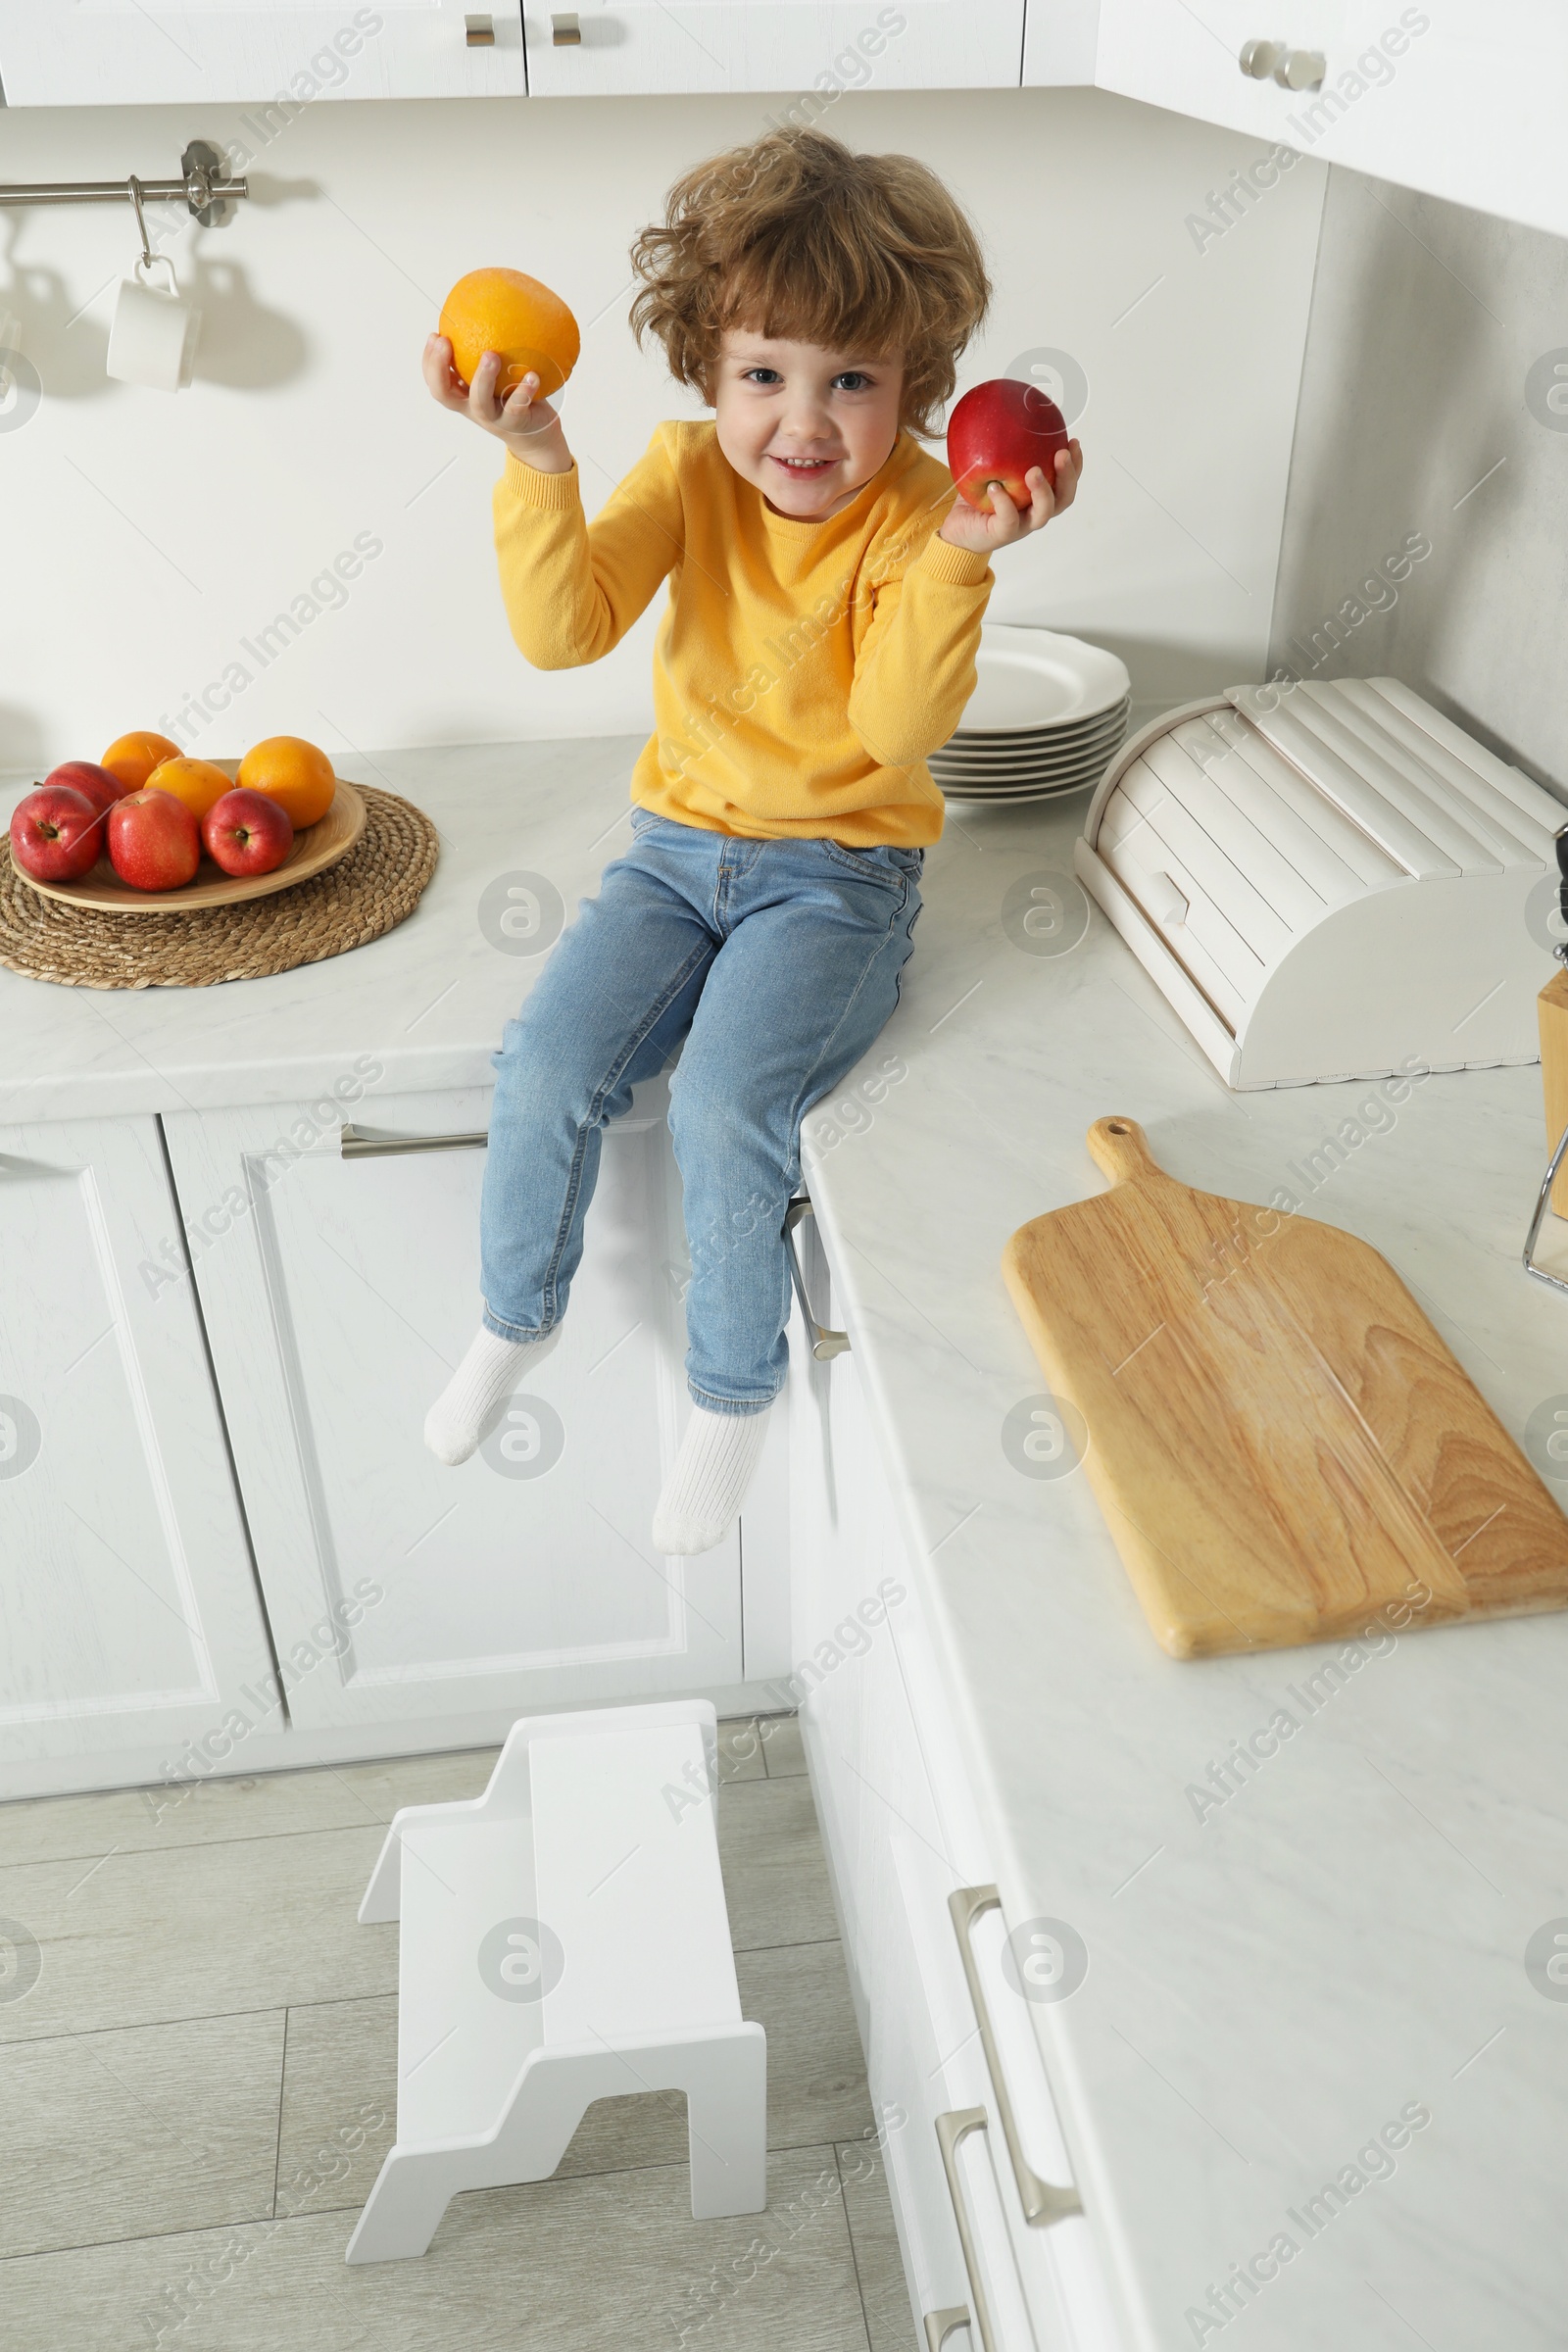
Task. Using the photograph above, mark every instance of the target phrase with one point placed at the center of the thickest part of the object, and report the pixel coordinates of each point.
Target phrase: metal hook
(134, 186)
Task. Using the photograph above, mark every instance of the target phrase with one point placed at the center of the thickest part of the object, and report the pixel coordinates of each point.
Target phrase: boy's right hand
(527, 424)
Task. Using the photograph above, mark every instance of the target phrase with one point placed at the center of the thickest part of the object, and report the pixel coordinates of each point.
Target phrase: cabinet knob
(1259, 58)
(1300, 69)
(565, 32)
(481, 32)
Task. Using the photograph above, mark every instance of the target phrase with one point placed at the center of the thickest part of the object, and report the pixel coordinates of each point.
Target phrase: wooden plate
(316, 848)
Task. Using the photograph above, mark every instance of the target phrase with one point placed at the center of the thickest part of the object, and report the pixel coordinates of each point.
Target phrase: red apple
(85, 775)
(247, 832)
(153, 841)
(997, 432)
(55, 834)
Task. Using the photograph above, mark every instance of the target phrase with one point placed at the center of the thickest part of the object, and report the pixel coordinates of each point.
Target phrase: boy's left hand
(980, 531)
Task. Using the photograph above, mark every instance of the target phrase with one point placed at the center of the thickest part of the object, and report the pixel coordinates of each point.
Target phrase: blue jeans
(777, 963)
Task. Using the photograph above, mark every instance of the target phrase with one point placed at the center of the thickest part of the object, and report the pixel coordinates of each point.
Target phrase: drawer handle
(825, 1343)
(953, 2129)
(940, 2324)
(481, 32)
(565, 32)
(1041, 2201)
(378, 1143)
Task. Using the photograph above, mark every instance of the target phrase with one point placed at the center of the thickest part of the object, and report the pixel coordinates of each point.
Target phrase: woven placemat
(366, 893)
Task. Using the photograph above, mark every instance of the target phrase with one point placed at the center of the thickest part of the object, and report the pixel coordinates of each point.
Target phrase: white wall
(1431, 405)
(148, 536)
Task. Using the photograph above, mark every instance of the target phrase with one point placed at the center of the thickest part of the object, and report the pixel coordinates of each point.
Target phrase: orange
(196, 782)
(502, 310)
(131, 759)
(293, 772)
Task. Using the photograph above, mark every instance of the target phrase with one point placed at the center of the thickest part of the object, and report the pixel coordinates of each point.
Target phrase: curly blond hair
(796, 237)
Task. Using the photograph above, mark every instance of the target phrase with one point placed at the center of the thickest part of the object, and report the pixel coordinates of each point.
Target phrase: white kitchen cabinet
(901, 1832)
(120, 53)
(818, 48)
(338, 1295)
(1059, 41)
(1463, 99)
(128, 1610)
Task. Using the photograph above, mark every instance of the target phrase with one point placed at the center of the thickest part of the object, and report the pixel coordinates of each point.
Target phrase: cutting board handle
(1120, 1148)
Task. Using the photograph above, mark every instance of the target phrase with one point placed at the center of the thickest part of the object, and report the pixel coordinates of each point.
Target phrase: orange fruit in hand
(196, 782)
(502, 310)
(131, 759)
(292, 772)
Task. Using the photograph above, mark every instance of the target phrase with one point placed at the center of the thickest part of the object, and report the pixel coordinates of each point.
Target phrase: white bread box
(1329, 881)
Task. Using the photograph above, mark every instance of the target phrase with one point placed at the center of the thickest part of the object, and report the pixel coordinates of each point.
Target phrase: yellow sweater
(803, 670)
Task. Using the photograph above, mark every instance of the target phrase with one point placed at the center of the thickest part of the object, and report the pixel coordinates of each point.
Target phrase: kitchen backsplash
(301, 540)
(1428, 510)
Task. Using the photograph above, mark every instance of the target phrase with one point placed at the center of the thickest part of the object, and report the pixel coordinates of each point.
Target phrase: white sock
(703, 1495)
(485, 1375)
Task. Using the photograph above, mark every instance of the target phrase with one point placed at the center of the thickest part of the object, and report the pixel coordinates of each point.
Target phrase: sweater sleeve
(915, 668)
(573, 588)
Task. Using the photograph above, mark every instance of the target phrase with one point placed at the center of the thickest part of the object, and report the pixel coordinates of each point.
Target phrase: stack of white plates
(1047, 715)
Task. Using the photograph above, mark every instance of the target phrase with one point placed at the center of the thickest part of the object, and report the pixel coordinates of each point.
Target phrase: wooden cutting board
(1280, 1441)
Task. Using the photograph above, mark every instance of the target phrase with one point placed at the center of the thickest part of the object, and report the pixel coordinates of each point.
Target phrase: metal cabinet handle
(1292, 69)
(1301, 69)
(565, 32)
(481, 32)
(940, 2324)
(1041, 2201)
(378, 1143)
(1259, 57)
(825, 1343)
(1553, 1280)
(953, 2129)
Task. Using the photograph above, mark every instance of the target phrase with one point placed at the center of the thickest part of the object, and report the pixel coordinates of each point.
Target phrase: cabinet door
(817, 47)
(339, 1294)
(1463, 99)
(903, 1832)
(1060, 40)
(120, 53)
(128, 1611)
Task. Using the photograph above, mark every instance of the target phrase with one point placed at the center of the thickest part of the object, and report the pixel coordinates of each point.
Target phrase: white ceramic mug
(153, 338)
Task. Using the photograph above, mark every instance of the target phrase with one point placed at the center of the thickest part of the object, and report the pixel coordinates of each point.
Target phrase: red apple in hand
(153, 841)
(997, 432)
(247, 832)
(86, 776)
(55, 834)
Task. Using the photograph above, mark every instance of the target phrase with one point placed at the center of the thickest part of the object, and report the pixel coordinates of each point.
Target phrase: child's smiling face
(808, 427)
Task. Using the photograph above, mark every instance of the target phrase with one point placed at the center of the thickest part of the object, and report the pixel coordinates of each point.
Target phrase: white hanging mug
(153, 338)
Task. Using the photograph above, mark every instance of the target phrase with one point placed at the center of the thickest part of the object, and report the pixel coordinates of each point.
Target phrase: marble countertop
(1271, 1978)
(1274, 1977)
(428, 1000)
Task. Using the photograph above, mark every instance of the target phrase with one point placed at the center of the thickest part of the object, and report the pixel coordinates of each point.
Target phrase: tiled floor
(197, 2091)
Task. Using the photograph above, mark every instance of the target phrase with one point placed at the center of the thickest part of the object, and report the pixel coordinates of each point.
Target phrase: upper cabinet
(1463, 99)
(119, 53)
(608, 48)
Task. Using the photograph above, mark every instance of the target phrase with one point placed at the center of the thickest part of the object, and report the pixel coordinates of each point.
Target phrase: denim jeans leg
(609, 1009)
(798, 992)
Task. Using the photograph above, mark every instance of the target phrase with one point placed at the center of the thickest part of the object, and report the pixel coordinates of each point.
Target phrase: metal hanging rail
(203, 189)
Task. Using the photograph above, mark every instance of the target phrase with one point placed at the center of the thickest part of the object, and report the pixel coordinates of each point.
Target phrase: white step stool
(563, 1938)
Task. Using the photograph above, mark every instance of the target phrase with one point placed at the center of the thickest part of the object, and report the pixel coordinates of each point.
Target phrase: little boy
(826, 598)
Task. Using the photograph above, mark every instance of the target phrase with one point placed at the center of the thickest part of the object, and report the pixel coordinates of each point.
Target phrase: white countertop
(1269, 1986)
(428, 999)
